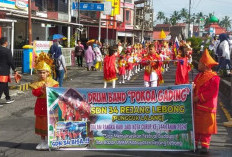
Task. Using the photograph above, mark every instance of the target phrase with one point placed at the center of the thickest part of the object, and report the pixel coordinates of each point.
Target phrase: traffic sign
(88, 6)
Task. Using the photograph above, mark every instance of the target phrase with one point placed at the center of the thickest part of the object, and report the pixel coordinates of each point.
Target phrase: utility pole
(189, 32)
(79, 33)
(29, 23)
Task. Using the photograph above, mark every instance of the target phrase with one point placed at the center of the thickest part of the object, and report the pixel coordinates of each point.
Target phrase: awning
(46, 20)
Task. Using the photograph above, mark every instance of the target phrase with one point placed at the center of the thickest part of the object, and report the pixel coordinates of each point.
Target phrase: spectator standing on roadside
(6, 63)
(89, 57)
(223, 52)
(60, 66)
(79, 53)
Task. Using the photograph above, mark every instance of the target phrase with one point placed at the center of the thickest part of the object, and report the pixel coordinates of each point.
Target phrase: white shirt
(225, 49)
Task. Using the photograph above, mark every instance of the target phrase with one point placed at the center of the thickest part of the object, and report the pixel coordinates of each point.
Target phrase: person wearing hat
(43, 65)
(206, 88)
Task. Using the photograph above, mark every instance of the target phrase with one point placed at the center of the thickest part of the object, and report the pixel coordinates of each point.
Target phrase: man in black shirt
(6, 62)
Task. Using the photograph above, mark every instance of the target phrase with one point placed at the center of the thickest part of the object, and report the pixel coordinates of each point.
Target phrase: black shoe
(9, 101)
(204, 150)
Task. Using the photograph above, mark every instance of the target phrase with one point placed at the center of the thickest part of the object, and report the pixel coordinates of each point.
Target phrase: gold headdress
(43, 62)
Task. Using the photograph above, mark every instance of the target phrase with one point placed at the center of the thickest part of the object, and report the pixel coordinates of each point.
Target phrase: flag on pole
(175, 48)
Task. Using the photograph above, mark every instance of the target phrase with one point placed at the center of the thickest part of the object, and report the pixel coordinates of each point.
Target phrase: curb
(22, 87)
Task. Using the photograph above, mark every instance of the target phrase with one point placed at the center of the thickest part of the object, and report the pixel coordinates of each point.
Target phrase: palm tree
(207, 18)
(184, 14)
(175, 17)
(199, 16)
(226, 22)
(160, 15)
(166, 21)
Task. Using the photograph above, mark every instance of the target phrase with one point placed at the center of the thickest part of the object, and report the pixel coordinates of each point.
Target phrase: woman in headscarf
(89, 56)
(60, 65)
(223, 52)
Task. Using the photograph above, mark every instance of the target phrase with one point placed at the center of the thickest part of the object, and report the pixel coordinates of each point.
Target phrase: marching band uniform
(152, 74)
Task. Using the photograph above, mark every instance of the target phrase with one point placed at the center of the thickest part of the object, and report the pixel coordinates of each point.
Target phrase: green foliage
(141, 132)
(195, 44)
(51, 128)
(72, 41)
(127, 132)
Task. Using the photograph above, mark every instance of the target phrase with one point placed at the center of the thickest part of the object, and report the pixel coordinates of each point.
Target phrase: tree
(175, 17)
(199, 16)
(207, 18)
(160, 15)
(184, 14)
(226, 22)
(166, 21)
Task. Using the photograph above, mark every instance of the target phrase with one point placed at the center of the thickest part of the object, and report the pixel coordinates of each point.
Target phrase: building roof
(218, 29)
(156, 35)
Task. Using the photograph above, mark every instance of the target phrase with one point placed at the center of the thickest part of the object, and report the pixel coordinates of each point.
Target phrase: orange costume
(152, 64)
(206, 89)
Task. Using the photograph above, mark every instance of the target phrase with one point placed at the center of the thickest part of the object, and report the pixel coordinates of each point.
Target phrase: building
(143, 21)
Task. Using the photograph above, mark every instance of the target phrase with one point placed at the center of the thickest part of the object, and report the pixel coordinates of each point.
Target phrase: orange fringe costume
(40, 110)
(207, 87)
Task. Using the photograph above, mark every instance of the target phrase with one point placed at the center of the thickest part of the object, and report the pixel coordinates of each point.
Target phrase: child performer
(129, 67)
(122, 69)
(110, 68)
(152, 74)
(42, 65)
(205, 99)
(183, 67)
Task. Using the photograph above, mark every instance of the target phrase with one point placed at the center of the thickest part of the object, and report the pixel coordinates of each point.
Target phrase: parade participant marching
(122, 69)
(110, 68)
(42, 65)
(130, 61)
(152, 62)
(206, 87)
(183, 67)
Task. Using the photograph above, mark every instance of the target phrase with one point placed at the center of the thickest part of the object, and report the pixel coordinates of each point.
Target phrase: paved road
(17, 138)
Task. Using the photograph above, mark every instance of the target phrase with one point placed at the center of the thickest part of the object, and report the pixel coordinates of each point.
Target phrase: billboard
(15, 4)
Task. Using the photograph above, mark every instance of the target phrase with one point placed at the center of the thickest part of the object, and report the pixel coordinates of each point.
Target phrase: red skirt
(41, 127)
(122, 70)
(129, 66)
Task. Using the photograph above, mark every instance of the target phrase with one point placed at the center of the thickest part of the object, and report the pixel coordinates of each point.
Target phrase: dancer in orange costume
(42, 65)
(206, 87)
(152, 62)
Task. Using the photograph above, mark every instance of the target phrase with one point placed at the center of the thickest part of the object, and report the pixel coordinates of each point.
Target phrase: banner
(157, 118)
(15, 4)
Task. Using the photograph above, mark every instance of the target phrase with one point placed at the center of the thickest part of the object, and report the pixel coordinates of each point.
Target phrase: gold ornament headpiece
(43, 62)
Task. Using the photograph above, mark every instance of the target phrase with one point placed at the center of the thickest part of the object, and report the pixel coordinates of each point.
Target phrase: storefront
(7, 30)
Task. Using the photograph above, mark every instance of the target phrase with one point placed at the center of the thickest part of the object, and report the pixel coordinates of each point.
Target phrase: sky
(220, 8)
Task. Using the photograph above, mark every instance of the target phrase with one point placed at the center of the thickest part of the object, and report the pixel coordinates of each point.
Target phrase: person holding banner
(153, 65)
(110, 68)
(206, 87)
(42, 65)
